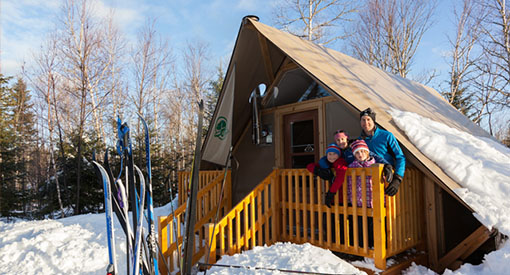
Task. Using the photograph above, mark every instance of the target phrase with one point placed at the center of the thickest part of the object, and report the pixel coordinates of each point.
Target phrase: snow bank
(304, 257)
(54, 246)
(73, 245)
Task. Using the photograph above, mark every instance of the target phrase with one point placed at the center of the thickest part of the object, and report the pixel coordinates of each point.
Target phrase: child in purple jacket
(362, 158)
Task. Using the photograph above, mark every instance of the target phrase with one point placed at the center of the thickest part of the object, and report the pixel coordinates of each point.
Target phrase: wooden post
(305, 179)
(345, 220)
(364, 210)
(170, 229)
(285, 207)
(336, 220)
(354, 200)
(211, 242)
(431, 212)
(238, 232)
(230, 245)
(162, 239)
(297, 208)
(379, 216)
(275, 207)
(260, 240)
(246, 222)
(222, 239)
(268, 213)
(313, 181)
(253, 221)
(290, 205)
(319, 210)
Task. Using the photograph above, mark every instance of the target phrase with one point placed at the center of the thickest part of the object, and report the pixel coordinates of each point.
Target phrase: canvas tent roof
(354, 82)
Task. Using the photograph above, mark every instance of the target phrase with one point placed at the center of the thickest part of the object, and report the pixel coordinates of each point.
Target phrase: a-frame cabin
(282, 100)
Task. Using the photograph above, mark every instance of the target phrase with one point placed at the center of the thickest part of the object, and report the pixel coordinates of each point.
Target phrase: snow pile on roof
(304, 257)
(480, 165)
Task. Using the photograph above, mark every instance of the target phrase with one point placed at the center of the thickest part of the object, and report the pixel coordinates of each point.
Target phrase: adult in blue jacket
(385, 145)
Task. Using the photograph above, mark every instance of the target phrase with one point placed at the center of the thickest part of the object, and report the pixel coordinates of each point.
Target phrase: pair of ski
(116, 200)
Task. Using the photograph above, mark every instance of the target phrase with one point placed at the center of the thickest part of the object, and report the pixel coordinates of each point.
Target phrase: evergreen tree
(506, 139)
(7, 150)
(212, 95)
(24, 138)
(461, 100)
(91, 190)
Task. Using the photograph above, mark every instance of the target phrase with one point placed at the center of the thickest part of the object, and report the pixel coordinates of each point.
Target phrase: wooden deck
(289, 206)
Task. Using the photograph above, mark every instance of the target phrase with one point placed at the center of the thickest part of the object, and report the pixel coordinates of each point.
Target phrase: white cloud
(24, 25)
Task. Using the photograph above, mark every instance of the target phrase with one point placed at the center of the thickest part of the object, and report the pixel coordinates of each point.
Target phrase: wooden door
(301, 139)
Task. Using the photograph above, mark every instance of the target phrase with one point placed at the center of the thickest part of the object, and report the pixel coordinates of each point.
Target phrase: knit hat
(333, 148)
(367, 112)
(359, 145)
(341, 133)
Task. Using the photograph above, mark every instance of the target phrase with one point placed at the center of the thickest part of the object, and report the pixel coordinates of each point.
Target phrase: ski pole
(271, 269)
(218, 206)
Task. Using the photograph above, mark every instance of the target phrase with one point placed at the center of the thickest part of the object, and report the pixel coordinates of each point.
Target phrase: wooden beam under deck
(465, 248)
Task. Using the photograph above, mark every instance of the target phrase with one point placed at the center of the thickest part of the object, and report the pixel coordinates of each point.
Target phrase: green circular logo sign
(220, 129)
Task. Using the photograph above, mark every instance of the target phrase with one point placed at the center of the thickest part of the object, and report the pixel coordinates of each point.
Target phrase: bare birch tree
(462, 59)
(113, 85)
(495, 43)
(486, 95)
(84, 66)
(45, 82)
(388, 32)
(489, 73)
(152, 62)
(318, 21)
(195, 80)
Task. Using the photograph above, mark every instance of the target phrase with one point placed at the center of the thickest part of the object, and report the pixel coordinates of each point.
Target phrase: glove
(329, 199)
(388, 172)
(392, 188)
(323, 173)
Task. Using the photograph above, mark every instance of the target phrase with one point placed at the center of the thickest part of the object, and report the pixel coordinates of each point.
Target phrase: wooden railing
(171, 229)
(205, 177)
(405, 214)
(253, 221)
(297, 213)
(289, 206)
(345, 226)
(383, 230)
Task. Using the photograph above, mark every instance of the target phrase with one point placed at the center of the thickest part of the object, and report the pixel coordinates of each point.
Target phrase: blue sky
(24, 24)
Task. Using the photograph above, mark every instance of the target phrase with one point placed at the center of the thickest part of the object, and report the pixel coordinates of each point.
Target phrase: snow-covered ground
(77, 245)
(73, 245)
